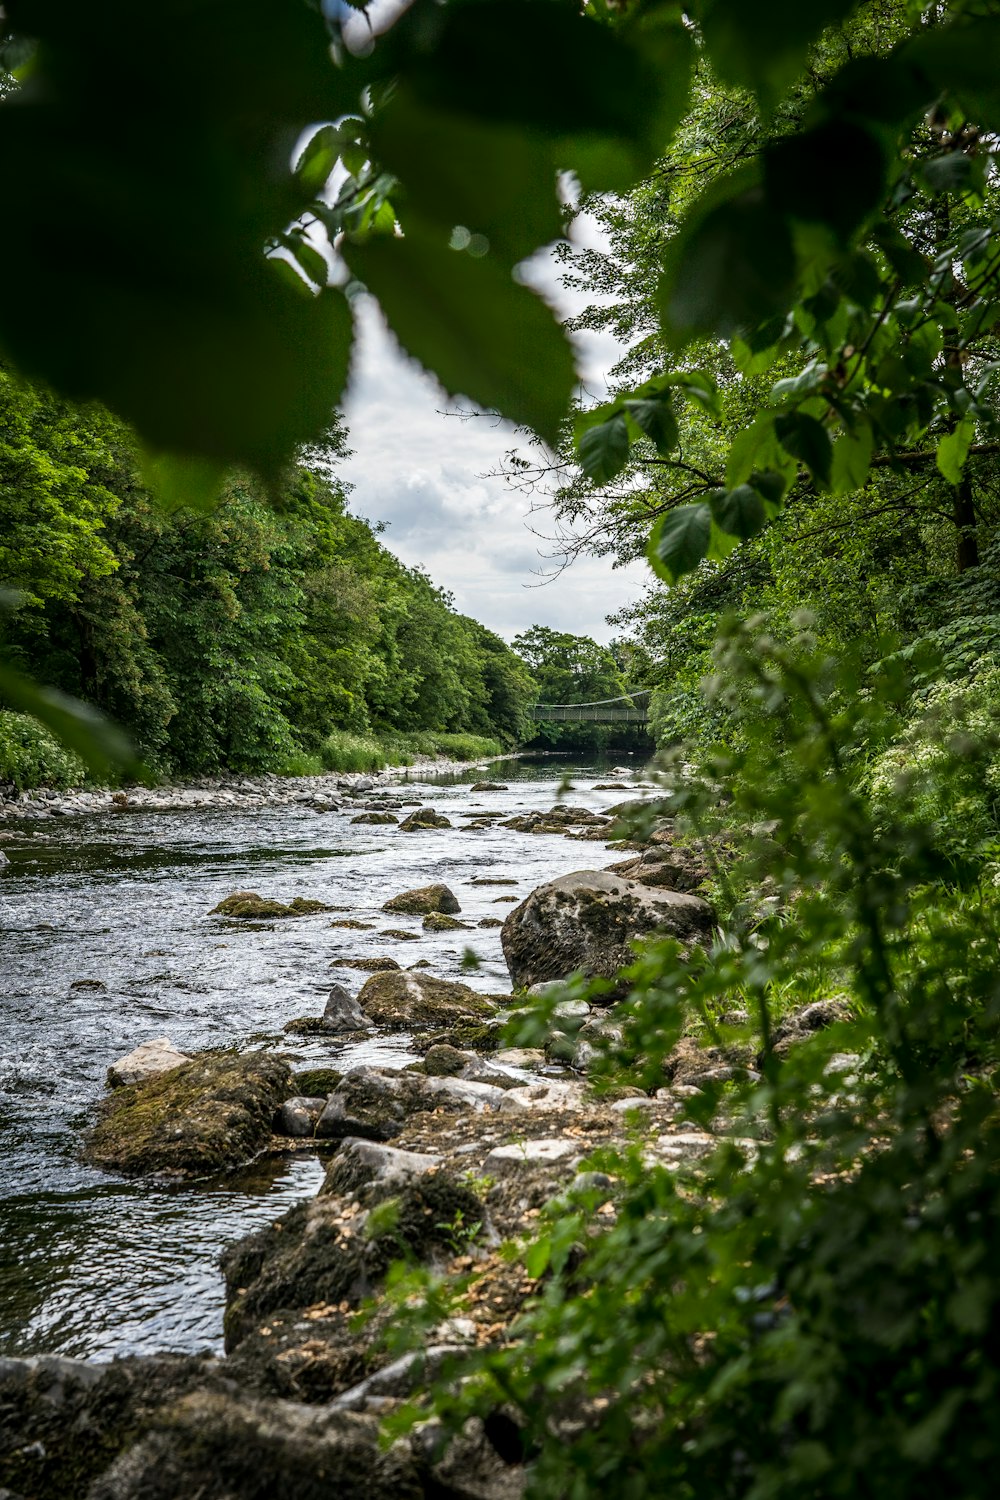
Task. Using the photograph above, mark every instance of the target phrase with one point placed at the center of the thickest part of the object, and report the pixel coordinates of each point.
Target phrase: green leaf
(680, 541)
(764, 46)
(606, 107)
(807, 440)
(318, 159)
(739, 512)
(699, 386)
(852, 456)
(954, 172)
(100, 744)
(537, 1256)
(656, 419)
(961, 60)
(466, 320)
(732, 266)
(604, 449)
(834, 174)
(488, 176)
(771, 485)
(953, 450)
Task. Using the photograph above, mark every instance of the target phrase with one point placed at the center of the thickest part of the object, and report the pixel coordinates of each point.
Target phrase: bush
(814, 1314)
(343, 751)
(30, 757)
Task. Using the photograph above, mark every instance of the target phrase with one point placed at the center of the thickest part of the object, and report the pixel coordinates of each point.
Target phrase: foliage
(811, 1310)
(570, 669)
(30, 756)
(235, 637)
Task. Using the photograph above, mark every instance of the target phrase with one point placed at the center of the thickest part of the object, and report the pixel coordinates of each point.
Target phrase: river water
(107, 941)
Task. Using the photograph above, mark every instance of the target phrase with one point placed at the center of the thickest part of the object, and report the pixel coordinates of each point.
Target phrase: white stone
(505, 1161)
(147, 1061)
(548, 1093)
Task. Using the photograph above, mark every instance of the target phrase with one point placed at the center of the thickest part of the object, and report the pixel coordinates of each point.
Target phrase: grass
(344, 751)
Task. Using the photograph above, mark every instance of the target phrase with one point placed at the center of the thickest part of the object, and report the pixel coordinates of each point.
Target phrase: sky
(425, 475)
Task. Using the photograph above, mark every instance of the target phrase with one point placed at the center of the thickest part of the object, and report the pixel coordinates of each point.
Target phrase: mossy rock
(437, 921)
(489, 922)
(249, 906)
(353, 924)
(488, 786)
(423, 900)
(227, 1446)
(399, 935)
(312, 1255)
(399, 1001)
(375, 817)
(63, 1421)
(467, 1036)
(316, 1081)
(211, 1115)
(424, 817)
(377, 964)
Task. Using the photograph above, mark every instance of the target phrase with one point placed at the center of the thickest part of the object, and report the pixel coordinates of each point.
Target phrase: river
(108, 941)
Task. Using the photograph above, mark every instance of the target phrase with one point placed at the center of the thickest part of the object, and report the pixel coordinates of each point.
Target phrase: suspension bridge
(628, 710)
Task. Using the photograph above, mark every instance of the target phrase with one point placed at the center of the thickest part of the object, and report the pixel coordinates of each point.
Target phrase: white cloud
(426, 473)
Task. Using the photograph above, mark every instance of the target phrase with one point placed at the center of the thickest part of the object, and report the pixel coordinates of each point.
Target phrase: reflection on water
(107, 940)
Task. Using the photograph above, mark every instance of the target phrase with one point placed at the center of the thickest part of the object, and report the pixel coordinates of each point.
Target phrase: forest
(770, 1271)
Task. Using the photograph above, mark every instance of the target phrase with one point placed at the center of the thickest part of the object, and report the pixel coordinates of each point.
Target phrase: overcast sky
(424, 474)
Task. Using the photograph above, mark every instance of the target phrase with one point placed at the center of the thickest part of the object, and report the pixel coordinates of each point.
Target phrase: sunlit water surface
(95, 1265)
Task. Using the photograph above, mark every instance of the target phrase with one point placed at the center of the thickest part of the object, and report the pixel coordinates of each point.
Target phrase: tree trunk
(964, 512)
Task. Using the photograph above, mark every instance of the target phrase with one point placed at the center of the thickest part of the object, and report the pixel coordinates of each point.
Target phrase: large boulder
(423, 900)
(402, 1000)
(586, 922)
(229, 1447)
(148, 1060)
(332, 1250)
(63, 1421)
(209, 1115)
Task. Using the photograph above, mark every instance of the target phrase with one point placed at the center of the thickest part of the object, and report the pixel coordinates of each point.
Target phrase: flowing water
(107, 941)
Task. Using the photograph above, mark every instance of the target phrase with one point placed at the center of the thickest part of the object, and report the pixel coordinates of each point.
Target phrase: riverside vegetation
(772, 1279)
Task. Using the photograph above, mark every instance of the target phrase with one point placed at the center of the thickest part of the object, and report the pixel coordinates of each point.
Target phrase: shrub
(30, 757)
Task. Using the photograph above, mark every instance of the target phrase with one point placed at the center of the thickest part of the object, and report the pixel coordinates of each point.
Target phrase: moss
(313, 1083)
(375, 817)
(209, 1115)
(424, 817)
(426, 898)
(399, 935)
(404, 1000)
(373, 965)
(249, 906)
(62, 1423)
(436, 921)
(353, 924)
(468, 1036)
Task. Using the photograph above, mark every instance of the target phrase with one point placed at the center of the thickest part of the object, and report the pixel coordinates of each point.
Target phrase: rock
(493, 880)
(520, 1057)
(353, 924)
(359, 1162)
(377, 1118)
(327, 1250)
(506, 1161)
(230, 1447)
(377, 964)
(375, 817)
(97, 986)
(489, 922)
(342, 1012)
(437, 921)
(399, 935)
(403, 1000)
(4, 860)
(147, 1061)
(316, 1081)
(247, 905)
(587, 922)
(688, 1062)
(210, 1114)
(547, 1093)
(423, 900)
(488, 786)
(424, 817)
(63, 1421)
(374, 1103)
(672, 869)
(297, 1116)
(442, 1061)
(556, 820)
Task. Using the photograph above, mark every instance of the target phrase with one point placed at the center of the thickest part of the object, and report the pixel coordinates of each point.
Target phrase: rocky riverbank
(448, 1161)
(324, 793)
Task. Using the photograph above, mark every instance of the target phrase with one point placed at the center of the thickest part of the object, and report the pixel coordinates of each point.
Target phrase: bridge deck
(591, 713)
